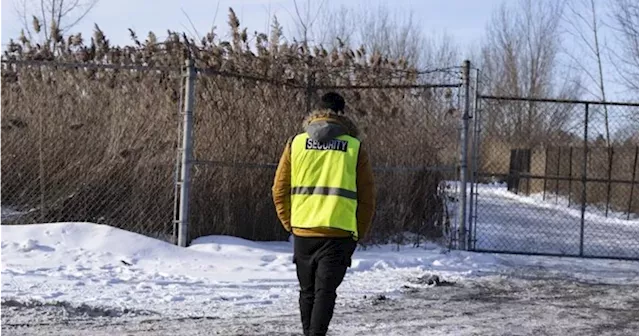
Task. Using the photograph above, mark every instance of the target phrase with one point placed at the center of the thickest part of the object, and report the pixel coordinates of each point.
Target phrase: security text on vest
(335, 144)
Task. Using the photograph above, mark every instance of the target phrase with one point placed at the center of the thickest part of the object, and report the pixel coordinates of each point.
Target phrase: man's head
(327, 120)
(332, 101)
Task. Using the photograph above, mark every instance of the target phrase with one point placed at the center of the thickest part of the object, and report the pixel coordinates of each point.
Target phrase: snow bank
(99, 265)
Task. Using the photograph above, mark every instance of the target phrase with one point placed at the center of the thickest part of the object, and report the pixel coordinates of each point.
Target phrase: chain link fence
(136, 138)
(104, 144)
(240, 127)
(407, 122)
(556, 177)
(89, 143)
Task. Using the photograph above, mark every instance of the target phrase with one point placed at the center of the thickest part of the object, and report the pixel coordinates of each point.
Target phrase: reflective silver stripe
(324, 191)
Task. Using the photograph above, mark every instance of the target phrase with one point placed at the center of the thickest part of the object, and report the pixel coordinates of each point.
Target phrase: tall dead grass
(85, 144)
(89, 145)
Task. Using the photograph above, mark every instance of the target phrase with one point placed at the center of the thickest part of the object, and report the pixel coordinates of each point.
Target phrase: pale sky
(463, 20)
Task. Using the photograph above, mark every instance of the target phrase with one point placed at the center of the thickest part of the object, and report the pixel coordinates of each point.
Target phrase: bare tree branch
(588, 27)
(336, 24)
(301, 20)
(61, 15)
(215, 16)
(624, 23)
(520, 58)
(376, 29)
(43, 18)
(305, 18)
(22, 14)
(87, 8)
(195, 30)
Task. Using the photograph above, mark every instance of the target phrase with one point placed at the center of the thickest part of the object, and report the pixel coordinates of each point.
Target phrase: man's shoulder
(294, 137)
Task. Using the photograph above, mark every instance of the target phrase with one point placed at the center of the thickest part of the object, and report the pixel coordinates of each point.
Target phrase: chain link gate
(555, 177)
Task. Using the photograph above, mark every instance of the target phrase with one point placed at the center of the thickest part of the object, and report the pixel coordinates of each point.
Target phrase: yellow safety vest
(323, 183)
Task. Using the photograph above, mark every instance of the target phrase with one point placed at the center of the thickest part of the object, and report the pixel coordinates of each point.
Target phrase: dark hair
(332, 101)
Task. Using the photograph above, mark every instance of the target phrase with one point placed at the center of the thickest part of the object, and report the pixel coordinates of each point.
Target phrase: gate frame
(477, 140)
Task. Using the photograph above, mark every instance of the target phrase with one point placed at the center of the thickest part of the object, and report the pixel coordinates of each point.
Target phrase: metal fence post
(474, 164)
(477, 167)
(186, 157)
(584, 176)
(462, 210)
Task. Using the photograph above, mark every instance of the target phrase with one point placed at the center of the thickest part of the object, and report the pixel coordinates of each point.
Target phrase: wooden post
(633, 183)
(610, 156)
(570, 173)
(558, 174)
(528, 166)
(546, 172)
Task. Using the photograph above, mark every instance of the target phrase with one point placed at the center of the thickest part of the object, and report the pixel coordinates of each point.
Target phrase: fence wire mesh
(407, 124)
(86, 142)
(557, 177)
(89, 143)
(240, 128)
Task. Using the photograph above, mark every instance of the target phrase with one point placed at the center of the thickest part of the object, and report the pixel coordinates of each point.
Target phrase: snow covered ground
(91, 279)
(509, 222)
(85, 272)
(102, 265)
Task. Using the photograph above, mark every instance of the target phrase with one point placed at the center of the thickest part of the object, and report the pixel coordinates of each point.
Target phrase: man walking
(324, 194)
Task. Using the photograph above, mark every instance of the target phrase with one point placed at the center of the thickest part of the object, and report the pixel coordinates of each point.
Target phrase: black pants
(321, 264)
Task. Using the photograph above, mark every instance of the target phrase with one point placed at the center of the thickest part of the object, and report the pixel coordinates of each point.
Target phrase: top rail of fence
(222, 73)
(548, 100)
(216, 72)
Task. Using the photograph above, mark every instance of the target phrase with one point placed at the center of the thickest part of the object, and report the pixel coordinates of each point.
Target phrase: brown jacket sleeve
(366, 193)
(281, 190)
